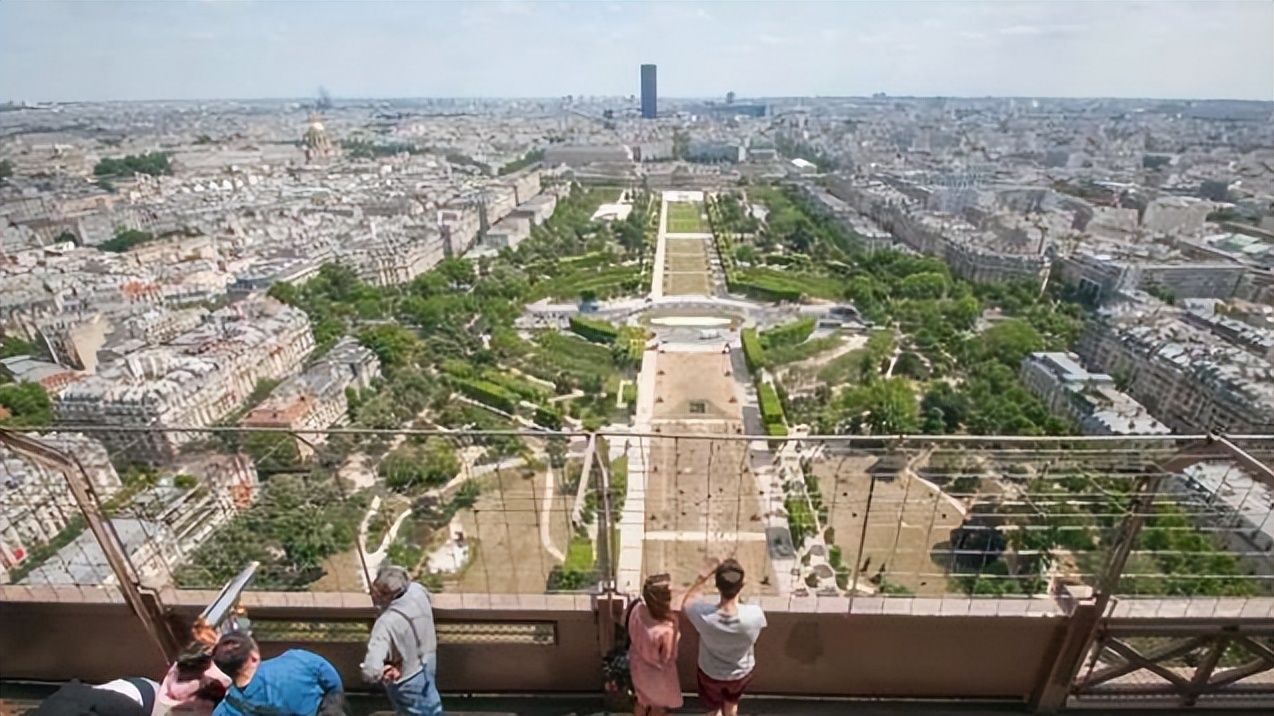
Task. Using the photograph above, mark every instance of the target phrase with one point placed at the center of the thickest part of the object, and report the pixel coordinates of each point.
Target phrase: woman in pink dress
(652, 654)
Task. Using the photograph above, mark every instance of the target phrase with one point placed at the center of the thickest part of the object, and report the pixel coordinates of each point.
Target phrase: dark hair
(232, 653)
(730, 578)
(656, 593)
(193, 661)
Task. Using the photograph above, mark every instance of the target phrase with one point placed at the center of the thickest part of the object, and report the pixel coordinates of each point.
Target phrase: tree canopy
(152, 163)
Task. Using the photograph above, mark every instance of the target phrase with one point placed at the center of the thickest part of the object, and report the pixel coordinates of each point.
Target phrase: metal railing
(914, 525)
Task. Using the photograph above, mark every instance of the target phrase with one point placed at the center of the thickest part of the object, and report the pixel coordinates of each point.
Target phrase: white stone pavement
(661, 253)
(632, 519)
(546, 515)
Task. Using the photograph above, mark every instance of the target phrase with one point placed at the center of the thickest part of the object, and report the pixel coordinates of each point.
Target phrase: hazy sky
(187, 49)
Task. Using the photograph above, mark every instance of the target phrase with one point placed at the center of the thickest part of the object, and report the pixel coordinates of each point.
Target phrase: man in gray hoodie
(402, 652)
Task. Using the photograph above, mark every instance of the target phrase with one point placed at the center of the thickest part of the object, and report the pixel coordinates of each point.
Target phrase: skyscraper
(648, 108)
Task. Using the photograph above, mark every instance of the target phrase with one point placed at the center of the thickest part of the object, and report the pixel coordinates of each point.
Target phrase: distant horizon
(739, 99)
(110, 50)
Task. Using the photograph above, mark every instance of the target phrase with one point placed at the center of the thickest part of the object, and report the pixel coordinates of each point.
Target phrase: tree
(947, 406)
(124, 240)
(1010, 341)
(6, 169)
(680, 144)
(885, 406)
(394, 345)
(152, 163)
(14, 346)
(930, 284)
(27, 403)
(414, 466)
(273, 451)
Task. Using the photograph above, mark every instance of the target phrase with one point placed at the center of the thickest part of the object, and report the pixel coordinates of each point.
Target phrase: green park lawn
(685, 218)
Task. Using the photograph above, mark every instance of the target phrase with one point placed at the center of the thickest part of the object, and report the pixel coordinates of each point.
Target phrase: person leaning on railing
(654, 635)
(295, 683)
(193, 686)
(402, 650)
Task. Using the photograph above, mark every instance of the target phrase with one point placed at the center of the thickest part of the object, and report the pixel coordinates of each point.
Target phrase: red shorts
(714, 694)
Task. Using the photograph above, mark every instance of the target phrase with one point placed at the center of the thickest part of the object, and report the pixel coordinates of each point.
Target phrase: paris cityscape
(516, 345)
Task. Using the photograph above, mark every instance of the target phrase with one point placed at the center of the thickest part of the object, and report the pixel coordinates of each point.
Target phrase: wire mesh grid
(494, 513)
(926, 518)
(948, 519)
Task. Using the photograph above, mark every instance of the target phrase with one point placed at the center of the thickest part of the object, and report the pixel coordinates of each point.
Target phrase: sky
(218, 49)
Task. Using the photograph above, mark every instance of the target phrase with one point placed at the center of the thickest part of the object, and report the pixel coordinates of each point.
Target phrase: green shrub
(595, 331)
(753, 353)
(548, 418)
(487, 393)
(771, 408)
(789, 334)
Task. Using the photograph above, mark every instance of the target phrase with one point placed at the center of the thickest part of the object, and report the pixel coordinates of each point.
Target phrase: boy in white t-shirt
(728, 632)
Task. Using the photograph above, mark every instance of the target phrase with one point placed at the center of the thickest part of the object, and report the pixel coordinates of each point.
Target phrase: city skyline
(210, 50)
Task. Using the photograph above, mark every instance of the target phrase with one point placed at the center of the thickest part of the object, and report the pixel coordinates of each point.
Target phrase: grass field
(686, 268)
(686, 218)
(504, 531)
(687, 284)
(907, 521)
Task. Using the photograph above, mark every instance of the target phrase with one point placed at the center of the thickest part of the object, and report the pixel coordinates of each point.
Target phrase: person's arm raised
(710, 565)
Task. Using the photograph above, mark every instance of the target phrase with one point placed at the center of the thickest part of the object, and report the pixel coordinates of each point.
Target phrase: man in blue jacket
(295, 683)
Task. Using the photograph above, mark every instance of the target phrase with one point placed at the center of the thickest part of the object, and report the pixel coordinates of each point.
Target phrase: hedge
(487, 393)
(764, 293)
(521, 388)
(595, 331)
(789, 334)
(574, 348)
(771, 408)
(778, 285)
(458, 368)
(548, 418)
(753, 354)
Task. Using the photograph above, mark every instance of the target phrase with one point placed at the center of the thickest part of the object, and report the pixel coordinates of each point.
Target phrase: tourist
(402, 652)
(121, 697)
(295, 683)
(654, 635)
(193, 685)
(728, 632)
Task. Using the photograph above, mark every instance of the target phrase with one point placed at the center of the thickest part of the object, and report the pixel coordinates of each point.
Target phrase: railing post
(862, 542)
(1068, 653)
(146, 605)
(605, 561)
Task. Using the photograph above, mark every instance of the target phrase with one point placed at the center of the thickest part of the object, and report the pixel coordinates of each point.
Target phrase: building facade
(649, 96)
(1090, 399)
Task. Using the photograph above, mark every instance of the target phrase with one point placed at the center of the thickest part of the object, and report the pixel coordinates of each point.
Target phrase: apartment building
(193, 381)
(459, 222)
(1185, 375)
(36, 504)
(397, 258)
(316, 399)
(1089, 399)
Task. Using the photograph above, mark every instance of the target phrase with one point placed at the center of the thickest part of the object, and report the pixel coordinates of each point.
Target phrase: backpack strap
(628, 618)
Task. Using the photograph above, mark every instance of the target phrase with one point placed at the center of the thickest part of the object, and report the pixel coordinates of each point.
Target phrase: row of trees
(125, 239)
(152, 163)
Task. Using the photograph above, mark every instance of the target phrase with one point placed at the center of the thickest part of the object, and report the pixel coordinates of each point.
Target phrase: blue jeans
(417, 696)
